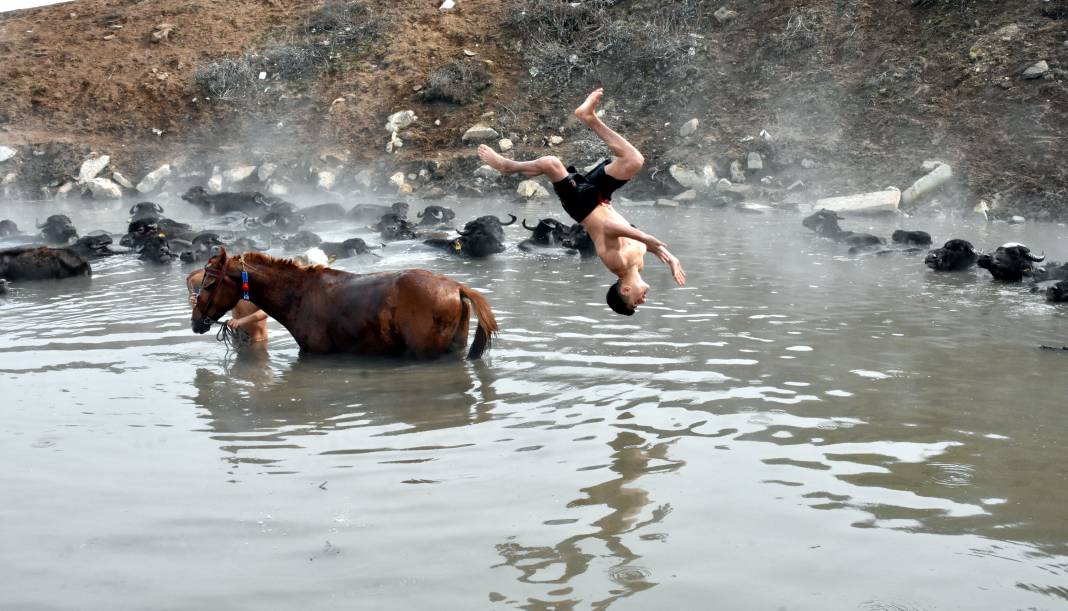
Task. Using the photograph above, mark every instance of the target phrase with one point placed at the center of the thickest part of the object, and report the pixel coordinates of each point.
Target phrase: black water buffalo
(58, 229)
(481, 237)
(41, 263)
(8, 228)
(953, 256)
(1010, 262)
(578, 239)
(435, 215)
(393, 226)
(146, 210)
(343, 250)
(547, 233)
(369, 212)
(825, 224)
(252, 203)
(302, 240)
(200, 247)
(1058, 293)
(323, 212)
(3, 287)
(96, 244)
(280, 216)
(156, 249)
(911, 238)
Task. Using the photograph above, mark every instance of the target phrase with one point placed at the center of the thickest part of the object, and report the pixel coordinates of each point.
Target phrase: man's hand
(235, 323)
(672, 262)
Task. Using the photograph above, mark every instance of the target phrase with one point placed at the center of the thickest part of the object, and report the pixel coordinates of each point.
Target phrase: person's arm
(619, 229)
(257, 316)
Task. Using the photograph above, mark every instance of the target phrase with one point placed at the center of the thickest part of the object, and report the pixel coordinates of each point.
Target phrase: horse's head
(219, 291)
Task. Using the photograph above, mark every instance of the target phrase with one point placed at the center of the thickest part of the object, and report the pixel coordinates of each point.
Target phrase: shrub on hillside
(344, 24)
(457, 82)
(226, 79)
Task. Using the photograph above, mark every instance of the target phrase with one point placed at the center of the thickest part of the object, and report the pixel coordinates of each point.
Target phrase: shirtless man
(587, 199)
(245, 316)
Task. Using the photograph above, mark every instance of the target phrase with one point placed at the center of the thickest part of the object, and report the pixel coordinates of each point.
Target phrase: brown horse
(412, 313)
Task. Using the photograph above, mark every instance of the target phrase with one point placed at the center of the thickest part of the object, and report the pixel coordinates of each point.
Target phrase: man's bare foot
(494, 160)
(587, 111)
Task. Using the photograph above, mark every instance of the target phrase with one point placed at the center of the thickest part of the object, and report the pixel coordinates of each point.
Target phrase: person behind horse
(587, 198)
(246, 318)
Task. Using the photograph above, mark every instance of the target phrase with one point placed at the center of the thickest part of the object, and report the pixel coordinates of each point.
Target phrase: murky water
(794, 430)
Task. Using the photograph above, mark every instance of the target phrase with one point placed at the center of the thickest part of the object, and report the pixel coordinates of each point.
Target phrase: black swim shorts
(581, 194)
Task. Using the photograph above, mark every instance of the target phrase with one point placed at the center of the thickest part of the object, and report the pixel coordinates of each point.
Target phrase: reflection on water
(796, 429)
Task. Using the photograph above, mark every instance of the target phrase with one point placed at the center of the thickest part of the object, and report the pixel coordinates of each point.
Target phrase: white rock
(723, 184)
(755, 161)
(92, 166)
(215, 183)
(688, 195)
(265, 171)
(666, 203)
(709, 174)
(397, 179)
(808, 164)
(754, 208)
(312, 256)
(6, 152)
(556, 140)
(65, 189)
(530, 189)
(365, 178)
(1017, 219)
(9, 179)
(448, 4)
(487, 172)
(152, 180)
(1037, 70)
(505, 145)
(863, 203)
(102, 188)
(394, 143)
(326, 179)
(689, 127)
(928, 184)
(930, 164)
(737, 174)
(121, 180)
(400, 120)
(481, 133)
(686, 177)
(277, 188)
(239, 173)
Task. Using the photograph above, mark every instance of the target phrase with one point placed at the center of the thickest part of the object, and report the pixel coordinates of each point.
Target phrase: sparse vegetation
(457, 82)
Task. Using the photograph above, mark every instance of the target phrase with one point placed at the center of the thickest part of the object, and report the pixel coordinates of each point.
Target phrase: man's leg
(628, 160)
(550, 166)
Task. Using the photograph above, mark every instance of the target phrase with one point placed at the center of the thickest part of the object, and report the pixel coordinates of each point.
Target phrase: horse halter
(217, 274)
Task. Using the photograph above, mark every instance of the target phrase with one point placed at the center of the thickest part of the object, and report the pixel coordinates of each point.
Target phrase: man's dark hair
(616, 302)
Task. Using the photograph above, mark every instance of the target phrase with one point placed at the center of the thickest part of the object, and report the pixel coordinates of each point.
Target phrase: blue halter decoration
(244, 285)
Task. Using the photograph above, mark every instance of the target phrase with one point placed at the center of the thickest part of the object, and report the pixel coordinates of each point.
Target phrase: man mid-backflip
(587, 198)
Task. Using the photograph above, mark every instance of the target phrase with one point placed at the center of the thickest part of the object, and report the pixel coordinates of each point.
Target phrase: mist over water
(795, 429)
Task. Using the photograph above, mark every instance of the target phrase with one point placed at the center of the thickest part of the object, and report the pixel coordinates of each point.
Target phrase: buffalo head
(1010, 262)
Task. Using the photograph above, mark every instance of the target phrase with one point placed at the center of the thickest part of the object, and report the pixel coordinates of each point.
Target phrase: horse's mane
(258, 257)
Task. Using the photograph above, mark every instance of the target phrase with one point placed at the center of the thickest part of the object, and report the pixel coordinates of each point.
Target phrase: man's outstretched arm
(617, 229)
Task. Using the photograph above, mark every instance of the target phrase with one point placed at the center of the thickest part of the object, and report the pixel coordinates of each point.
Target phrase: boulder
(863, 203)
(530, 189)
(487, 172)
(152, 180)
(400, 120)
(326, 179)
(481, 133)
(808, 164)
(215, 183)
(162, 32)
(434, 193)
(723, 184)
(6, 152)
(265, 171)
(689, 127)
(928, 184)
(239, 173)
(1037, 70)
(689, 196)
(737, 173)
(724, 14)
(119, 179)
(397, 179)
(555, 140)
(278, 188)
(93, 166)
(102, 188)
(755, 161)
(687, 177)
(505, 145)
(365, 178)
(666, 203)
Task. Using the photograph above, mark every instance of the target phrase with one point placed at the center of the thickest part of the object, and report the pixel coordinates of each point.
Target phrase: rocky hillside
(834, 96)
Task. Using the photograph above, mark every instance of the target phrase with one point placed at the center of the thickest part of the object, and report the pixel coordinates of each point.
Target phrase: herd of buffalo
(251, 221)
(1012, 262)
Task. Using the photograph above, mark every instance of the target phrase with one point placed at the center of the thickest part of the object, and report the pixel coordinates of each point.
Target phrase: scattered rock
(65, 189)
(480, 133)
(930, 164)
(863, 203)
(239, 173)
(152, 180)
(447, 5)
(723, 184)
(737, 174)
(265, 171)
(161, 32)
(278, 188)
(752, 208)
(487, 172)
(505, 145)
(397, 179)
(6, 152)
(939, 176)
(434, 193)
(981, 209)
(365, 178)
(1017, 219)
(92, 166)
(808, 164)
(689, 195)
(724, 14)
(737, 192)
(797, 185)
(555, 140)
(1037, 70)
(394, 142)
(755, 161)
(326, 179)
(666, 203)
(469, 53)
(215, 183)
(102, 188)
(400, 120)
(689, 127)
(121, 180)
(530, 189)
(687, 177)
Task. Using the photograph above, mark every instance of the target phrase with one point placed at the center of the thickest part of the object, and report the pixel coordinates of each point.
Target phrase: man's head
(625, 296)
(192, 284)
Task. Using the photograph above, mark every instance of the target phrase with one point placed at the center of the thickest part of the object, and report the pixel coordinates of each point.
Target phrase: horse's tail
(487, 324)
